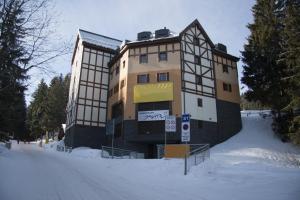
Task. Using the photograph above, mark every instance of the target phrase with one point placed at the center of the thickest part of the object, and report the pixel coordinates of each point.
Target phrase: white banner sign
(170, 123)
(154, 115)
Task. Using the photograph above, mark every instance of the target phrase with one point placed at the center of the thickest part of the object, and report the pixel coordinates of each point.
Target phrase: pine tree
(291, 57)
(25, 27)
(38, 115)
(262, 71)
(56, 103)
(12, 75)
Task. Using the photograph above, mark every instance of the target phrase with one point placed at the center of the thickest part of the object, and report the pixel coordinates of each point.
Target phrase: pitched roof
(197, 23)
(99, 40)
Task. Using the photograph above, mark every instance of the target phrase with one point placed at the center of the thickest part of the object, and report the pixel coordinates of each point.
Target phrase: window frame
(117, 70)
(140, 75)
(200, 102)
(116, 88)
(199, 80)
(162, 73)
(122, 84)
(197, 60)
(196, 41)
(141, 60)
(225, 68)
(161, 53)
(227, 87)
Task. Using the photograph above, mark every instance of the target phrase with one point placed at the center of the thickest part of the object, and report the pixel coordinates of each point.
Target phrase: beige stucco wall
(229, 78)
(174, 76)
(154, 66)
(233, 96)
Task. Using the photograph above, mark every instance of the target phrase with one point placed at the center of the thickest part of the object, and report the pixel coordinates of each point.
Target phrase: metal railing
(64, 148)
(109, 152)
(198, 154)
(160, 151)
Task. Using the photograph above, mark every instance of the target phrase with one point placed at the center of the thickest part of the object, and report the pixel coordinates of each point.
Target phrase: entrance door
(152, 151)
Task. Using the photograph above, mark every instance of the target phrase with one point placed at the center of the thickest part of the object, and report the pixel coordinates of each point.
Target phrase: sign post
(170, 126)
(185, 136)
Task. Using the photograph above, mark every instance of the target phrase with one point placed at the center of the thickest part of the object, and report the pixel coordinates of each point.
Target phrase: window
(143, 78)
(162, 77)
(116, 88)
(163, 56)
(110, 93)
(200, 102)
(198, 80)
(122, 83)
(143, 58)
(225, 68)
(196, 41)
(117, 70)
(227, 87)
(123, 64)
(198, 60)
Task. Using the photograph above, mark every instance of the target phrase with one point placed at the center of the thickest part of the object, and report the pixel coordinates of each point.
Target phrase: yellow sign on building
(153, 92)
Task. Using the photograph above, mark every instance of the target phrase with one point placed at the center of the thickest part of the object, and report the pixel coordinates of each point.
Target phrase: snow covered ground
(253, 164)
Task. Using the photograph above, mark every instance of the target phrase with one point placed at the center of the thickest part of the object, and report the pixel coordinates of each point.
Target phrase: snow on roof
(172, 35)
(99, 40)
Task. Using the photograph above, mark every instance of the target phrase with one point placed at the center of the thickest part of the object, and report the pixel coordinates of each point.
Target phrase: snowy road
(251, 165)
(27, 172)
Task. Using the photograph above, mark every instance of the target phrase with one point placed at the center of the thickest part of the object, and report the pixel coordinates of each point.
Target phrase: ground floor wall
(229, 123)
(132, 139)
(87, 136)
(229, 119)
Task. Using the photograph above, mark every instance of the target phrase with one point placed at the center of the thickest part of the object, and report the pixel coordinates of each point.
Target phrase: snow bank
(3, 149)
(52, 145)
(85, 152)
(257, 143)
(255, 150)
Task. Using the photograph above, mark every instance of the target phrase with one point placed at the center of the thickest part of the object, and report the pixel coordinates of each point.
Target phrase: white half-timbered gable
(89, 81)
(198, 79)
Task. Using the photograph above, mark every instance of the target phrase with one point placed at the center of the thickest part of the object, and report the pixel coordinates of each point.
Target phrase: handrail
(119, 153)
(204, 147)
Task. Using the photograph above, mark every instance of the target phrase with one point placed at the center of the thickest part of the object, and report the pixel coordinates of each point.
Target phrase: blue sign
(185, 128)
(185, 118)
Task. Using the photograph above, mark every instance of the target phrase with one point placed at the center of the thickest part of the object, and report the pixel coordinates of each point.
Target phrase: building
(137, 83)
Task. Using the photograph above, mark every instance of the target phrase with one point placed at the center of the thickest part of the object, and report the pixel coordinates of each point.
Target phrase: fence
(64, 148)
(198, 153)
(109, 152)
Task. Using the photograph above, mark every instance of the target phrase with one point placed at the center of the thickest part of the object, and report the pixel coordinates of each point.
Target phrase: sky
(224, 21)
